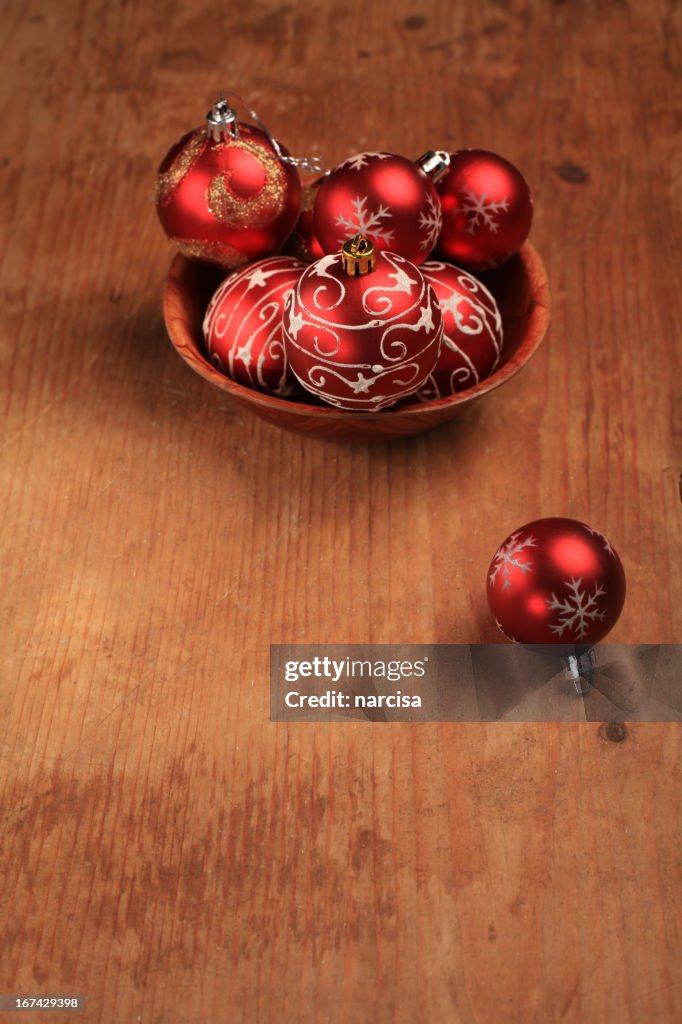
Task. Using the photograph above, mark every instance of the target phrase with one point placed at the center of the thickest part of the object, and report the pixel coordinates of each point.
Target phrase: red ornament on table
(472, 332)
(243, 325)
(556, 581)
(390, 200)
(226, 193)
(362, 329)
(487, 210)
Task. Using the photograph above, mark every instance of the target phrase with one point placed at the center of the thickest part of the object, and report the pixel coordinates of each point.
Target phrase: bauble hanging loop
(312, 164)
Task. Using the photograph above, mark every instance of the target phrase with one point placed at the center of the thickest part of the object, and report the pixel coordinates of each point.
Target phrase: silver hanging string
(306, 163)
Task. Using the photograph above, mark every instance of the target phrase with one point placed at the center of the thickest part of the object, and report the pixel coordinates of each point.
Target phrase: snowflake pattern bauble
(243, 325)
(362, 342)
(556, 581)
(385, 197)
(487, 210)
(230, 200)
(472, 332)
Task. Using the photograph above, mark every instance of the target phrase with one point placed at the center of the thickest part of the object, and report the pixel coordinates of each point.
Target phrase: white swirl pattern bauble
(472, 332)
(362, 342)
(243, 325)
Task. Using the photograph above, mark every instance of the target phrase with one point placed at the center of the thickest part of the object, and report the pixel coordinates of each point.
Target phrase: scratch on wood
(572, 173)
(571, 996)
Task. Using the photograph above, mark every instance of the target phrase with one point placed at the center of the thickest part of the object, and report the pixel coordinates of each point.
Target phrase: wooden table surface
(167, 851)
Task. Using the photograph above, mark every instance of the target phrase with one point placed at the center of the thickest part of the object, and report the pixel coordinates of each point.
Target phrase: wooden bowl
(520, 288)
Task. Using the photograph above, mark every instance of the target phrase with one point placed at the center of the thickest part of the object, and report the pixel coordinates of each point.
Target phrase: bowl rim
(183, 341)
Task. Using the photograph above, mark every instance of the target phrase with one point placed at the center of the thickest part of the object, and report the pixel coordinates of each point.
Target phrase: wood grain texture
(165, 849)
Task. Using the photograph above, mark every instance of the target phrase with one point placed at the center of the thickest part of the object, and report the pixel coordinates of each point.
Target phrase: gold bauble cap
(358, 256)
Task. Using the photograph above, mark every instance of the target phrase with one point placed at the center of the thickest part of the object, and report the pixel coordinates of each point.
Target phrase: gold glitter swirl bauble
(229, 200)
(259, 211)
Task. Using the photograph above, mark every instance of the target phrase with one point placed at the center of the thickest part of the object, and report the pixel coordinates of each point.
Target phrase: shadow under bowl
(519, 287)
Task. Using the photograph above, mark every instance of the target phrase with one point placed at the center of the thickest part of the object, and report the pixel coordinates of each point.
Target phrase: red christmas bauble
(487, 210)
(303, 243)
(556, 581)
(366, 341)
(243, 325)
(387, 198)
(472, 332)
(224, 194)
